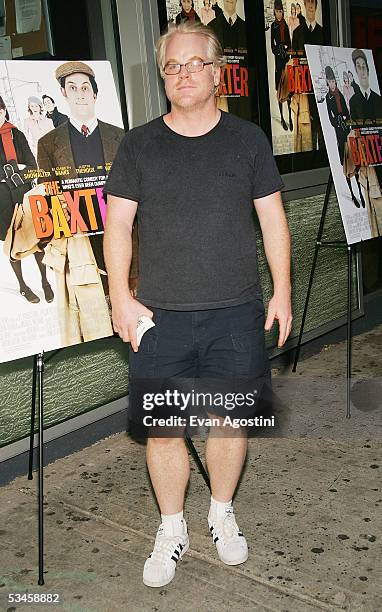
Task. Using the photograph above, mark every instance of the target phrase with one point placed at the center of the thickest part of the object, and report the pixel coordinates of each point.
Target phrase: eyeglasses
(195, 65)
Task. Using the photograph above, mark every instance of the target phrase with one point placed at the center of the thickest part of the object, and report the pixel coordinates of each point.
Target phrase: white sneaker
(230, 542)
(169, 547)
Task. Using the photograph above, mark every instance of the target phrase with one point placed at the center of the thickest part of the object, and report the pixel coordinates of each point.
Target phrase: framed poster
(297, 137)
(60, 127)
(227, 18)
(350, 110)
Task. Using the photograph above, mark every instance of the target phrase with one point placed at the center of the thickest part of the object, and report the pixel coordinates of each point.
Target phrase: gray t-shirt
(197, 243)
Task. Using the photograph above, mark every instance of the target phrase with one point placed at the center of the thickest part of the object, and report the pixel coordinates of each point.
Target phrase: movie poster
(227, 19)
(350, 109)
(294, 115)
(60, 127)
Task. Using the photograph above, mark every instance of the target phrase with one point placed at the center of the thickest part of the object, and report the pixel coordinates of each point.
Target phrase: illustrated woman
(280, 43)
(338, 115)
(16, 158)
(36, 123)
(187, 13)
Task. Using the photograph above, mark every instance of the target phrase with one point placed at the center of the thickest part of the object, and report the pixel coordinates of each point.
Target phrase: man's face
(279, 14)
(310, 8)
(80, 96)
(230, 6)
(185, 90)
(362, 72)
(48, 105)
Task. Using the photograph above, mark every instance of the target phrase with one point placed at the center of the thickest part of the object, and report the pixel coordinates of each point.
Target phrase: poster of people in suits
(227, 19)
(350, 110)
(289, 26)
(60, 127)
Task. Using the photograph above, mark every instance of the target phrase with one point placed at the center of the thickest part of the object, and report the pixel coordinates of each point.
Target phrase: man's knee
(166, 442)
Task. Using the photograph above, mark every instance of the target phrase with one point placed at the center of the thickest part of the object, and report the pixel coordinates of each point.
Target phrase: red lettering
(354, 151)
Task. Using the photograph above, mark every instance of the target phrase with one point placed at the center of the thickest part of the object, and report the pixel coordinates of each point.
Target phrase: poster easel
(331, 244)
(37, 392)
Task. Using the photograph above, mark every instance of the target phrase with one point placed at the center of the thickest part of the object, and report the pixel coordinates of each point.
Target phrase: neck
(82, 119)
(194, 121)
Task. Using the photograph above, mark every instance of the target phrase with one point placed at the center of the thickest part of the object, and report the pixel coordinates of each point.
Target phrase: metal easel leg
(33, 418)
(349, 332)
(40, 372)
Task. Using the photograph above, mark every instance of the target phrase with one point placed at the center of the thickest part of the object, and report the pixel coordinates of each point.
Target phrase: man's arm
(277, 245)
(117, 252)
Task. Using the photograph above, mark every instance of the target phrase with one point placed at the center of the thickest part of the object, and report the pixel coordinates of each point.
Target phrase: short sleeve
(266, 177)
(123, 179)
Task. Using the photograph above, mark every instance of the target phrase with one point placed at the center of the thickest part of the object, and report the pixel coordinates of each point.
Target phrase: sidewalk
(310, 509)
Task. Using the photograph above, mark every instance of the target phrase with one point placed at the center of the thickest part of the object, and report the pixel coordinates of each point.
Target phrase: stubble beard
(192, 105)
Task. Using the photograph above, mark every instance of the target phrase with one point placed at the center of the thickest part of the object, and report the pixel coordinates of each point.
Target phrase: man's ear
(63, 92)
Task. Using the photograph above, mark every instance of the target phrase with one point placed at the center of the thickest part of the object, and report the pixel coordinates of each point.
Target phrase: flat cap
(71, 67)
(357, 53)
(278, 6)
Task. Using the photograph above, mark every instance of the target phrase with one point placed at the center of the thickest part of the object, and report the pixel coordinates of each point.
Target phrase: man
(229, 27)
(52, 111)
(198, 274)
(83, 141)
(309, 32)
(366, 104)
(366, 110)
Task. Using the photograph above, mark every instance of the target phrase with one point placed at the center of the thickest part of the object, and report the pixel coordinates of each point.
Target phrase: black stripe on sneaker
(240, 534)
(176, 552)
(215, 539)
(174, 559)
(211, 528)
(181, 547)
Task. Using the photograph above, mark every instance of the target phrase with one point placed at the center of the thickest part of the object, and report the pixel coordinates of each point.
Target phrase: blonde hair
(214, 52)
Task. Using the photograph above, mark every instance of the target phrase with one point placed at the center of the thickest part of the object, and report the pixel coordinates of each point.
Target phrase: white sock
(218, 509)
(174, 521)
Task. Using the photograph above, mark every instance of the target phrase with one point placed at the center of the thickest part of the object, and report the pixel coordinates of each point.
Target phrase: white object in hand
(143, 324)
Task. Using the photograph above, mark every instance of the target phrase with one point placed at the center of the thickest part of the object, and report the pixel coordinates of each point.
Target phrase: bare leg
(225, 457)
(169, 469)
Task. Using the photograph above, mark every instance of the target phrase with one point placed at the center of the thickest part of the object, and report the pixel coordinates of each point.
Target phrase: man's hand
(280, 308)
(125, 314)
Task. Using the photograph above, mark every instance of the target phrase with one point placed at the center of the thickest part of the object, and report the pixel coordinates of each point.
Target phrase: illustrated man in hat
(366, 104)
(83, 140)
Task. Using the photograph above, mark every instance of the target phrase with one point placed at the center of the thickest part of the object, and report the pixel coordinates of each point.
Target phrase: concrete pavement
(309, 504)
